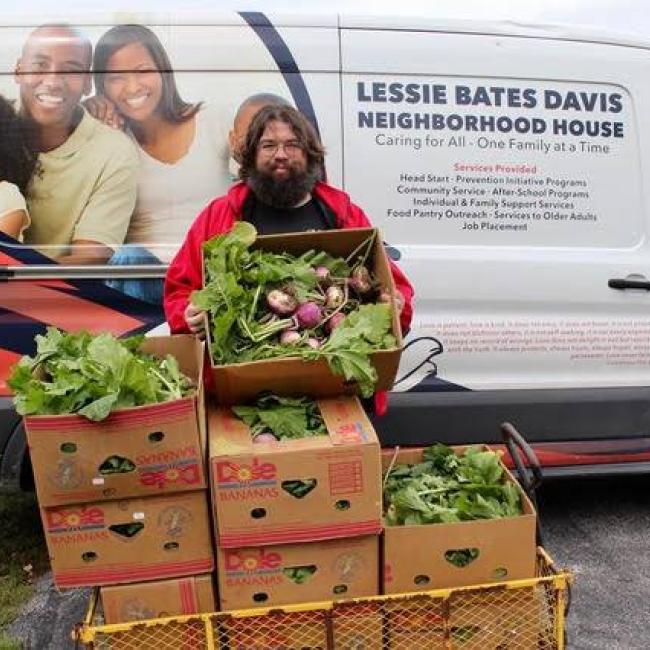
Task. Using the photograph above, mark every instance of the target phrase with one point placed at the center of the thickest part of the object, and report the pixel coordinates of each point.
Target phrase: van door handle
(620, 283)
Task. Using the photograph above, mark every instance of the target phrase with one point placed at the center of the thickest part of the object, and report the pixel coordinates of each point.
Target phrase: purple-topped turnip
(314, 343)
(334, 297)
(360, 280)
(290, 337)
(308, 314)
(281, 303)
(335, 321)
(323, 274)
(264, 437)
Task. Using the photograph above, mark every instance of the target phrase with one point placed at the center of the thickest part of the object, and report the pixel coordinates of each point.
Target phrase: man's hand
(195, 319)
(399, 301)
(104, 110)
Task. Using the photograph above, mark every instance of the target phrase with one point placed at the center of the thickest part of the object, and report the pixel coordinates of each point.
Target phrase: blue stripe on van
(283, 58)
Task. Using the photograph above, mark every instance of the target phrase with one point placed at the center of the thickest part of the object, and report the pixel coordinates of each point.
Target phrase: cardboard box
(267, 576)
(252, 483)
(159, 599)
(237, 383)
(414, 556)
(114, 542)
(161, 447)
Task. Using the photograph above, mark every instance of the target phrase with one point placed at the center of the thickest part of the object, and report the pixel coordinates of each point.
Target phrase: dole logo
(75, 519)
(256, 472)
(252, 561)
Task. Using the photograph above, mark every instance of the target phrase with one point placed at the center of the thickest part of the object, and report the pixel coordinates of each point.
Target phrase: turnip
(308, 314)
(360, 280)
(334, 297)
(290, 337)
(281, 302)
(335, 321)
(264, 437)
(313, 343)
(322, 273)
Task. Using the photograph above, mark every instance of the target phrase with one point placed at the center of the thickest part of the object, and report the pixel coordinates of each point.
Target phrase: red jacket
(185, 273)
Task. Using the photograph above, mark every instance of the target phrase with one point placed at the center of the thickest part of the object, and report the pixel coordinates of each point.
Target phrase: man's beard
(285, 192)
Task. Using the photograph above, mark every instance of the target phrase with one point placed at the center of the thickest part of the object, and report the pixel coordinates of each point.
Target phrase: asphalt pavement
(598, 528)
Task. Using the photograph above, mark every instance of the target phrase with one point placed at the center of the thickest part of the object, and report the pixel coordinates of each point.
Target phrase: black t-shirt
(272, 221)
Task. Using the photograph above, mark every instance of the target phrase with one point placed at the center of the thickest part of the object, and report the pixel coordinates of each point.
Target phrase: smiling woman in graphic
(183, 146)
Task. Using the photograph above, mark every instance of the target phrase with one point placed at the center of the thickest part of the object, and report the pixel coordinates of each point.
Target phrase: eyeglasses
(269, 149)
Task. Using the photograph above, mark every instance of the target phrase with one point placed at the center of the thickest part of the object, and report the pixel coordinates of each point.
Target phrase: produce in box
(274, 418)
(92, 376)
(265, 305)
(447, 488)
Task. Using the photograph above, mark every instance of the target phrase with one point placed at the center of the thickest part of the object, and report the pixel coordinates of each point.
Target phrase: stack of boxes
(124, 500)
(298, 521)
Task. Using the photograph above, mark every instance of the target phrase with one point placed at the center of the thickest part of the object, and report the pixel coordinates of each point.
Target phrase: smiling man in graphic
(82, 197)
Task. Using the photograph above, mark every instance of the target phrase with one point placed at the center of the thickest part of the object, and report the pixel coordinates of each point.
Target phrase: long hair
(172, 108)
(18, 158)
(303, 131)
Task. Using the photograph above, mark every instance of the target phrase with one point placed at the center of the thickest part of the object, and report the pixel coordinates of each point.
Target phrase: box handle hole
(258, 513)
(116, 465)
(461, 557)
(340, 589)
(299, 574)
(298, 488)
(171, 546)
(89, 556)
(127, 530)
(68, 448)
(421, 579)
(260, 597)
(156, 436)
(500, 573)
(342, 504)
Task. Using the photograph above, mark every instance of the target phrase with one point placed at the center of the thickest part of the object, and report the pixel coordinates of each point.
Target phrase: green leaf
(92, 375)
(447, 488)
(286, 418)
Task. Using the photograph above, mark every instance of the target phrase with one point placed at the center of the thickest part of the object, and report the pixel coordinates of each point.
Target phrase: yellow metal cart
(520, 614)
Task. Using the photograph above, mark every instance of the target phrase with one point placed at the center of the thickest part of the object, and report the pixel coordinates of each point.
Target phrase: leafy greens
(92, 376)
(447, 488)
(242, 329)
(287, 418)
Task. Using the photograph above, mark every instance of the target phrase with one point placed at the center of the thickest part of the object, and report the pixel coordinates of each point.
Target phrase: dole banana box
(302, 490)
(144, 450)
(133, 540)
(424, 557)
(283, 574)
(158, 599)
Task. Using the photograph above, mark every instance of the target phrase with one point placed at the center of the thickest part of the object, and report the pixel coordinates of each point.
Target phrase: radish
(280, 302)
(264, 437)
(334, 297)
(308, 314)
(322, 273)
(335, 321)
(290, 337)
(360, 280)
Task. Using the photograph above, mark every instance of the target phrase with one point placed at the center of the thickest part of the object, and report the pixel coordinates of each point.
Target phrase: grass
(22, 556)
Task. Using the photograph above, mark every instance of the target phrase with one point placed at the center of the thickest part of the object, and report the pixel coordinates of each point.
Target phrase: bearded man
(279, 192)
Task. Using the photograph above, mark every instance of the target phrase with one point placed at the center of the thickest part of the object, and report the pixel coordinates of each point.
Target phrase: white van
(504, 166)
